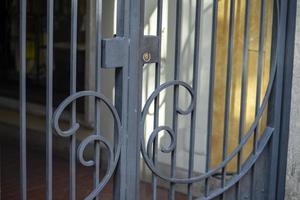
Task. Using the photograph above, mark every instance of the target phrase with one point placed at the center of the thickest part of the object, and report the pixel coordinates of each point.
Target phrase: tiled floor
(36, 178)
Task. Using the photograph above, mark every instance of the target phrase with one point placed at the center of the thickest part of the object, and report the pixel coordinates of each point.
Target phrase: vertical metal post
(23, 149)
(121, 88)
(73, 67)
(258, 89)
(243, 90)
(98, 89)
(286, 101)
(211, 92)
(195, 88)
(156, 101)
(259, 66)
(49, 99)
(175, 95)
(228, 88)
(275, 104)
(135, 34)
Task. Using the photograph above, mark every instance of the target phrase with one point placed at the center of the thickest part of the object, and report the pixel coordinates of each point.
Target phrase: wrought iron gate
(255, 176)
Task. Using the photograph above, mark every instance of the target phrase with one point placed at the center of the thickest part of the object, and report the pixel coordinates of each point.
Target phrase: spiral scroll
(114, 153)
(146, 152)
(172, 146)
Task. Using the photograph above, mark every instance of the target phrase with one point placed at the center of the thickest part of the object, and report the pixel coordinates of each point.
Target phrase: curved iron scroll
(114, 150)
(147, 147)
(169, 130)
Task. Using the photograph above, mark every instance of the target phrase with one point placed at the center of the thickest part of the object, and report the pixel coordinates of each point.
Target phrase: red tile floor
(36, 178)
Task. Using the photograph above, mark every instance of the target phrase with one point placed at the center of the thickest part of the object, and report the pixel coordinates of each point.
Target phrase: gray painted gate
(257, 177)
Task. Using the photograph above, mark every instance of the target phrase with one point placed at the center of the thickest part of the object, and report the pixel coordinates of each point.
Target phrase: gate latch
(115, 52)
(150, 49)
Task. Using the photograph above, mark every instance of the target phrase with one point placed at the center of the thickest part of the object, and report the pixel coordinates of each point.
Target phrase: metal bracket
(150, 49)
(115, 52)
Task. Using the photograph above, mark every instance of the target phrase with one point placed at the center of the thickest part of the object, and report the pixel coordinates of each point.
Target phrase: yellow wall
(220, 77)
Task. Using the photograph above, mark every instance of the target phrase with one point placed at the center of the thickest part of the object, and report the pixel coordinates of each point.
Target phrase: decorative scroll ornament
(168, 130)
(113, 153)
(250, 160)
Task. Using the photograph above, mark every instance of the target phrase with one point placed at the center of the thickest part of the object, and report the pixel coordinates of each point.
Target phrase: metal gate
(255, 176)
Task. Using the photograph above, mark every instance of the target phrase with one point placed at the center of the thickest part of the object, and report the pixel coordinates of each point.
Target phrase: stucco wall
(293, 171)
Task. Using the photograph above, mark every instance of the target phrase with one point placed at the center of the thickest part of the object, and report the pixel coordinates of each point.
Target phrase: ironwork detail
(114, 150)
(128, 53)
(150, 49)
(115, 52)
(147, 147)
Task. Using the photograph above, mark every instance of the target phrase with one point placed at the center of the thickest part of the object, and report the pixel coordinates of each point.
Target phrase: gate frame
(130, 21)
(288, 63)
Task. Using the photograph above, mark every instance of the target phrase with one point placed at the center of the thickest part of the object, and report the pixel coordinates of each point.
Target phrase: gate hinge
(150, 49)
(115, 52)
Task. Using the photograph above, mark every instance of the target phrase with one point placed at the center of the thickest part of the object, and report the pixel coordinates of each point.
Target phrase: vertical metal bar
(211, 92)
(135, 22)
(258, 86)
(259, 68)
(275, 102)
(119, 187)
(73, 70)
(271, 117)
(49, 100)
(175, 96)
(195, 88)
(228, 88)
(121, 106)
(98, 89)
(120, 21)
(286, 104)
(156, 101)
(23, 148)
(243, 89)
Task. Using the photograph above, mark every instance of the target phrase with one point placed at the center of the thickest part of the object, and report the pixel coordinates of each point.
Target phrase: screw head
(146, 56)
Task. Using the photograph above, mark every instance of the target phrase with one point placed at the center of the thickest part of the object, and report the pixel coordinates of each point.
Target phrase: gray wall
(293, 171)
